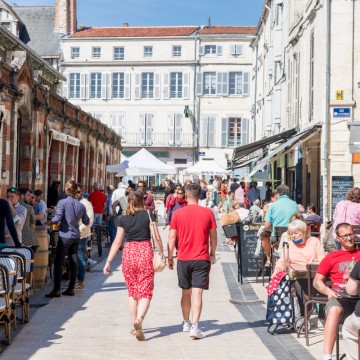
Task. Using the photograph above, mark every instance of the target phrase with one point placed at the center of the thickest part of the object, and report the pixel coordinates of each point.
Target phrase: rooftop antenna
(209, 21)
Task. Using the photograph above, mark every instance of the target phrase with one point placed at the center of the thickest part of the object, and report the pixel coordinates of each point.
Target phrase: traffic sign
(201, 153)
(341, 112)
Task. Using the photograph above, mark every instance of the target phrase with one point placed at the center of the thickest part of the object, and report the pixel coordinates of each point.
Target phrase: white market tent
(206, 167)
(142, 163)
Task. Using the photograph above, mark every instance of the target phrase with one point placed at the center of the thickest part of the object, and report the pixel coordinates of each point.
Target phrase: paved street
(95, 323)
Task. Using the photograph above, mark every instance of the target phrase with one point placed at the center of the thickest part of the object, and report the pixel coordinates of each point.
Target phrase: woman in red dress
(137, 265)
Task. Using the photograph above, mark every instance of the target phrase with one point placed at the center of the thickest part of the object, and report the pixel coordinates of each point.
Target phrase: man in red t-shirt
(98, 201)
(337, 265)
(192, 227)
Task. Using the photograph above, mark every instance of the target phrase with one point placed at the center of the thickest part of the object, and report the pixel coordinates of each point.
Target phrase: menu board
(339, 187)
(247, 246)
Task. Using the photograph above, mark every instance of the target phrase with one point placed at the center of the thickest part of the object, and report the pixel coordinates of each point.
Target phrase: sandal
(133, 332)
(267, 264)
(138, 330)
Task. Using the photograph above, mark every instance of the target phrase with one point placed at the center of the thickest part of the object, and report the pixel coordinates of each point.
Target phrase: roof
(220, 30)
(125, 31)
(40, 25)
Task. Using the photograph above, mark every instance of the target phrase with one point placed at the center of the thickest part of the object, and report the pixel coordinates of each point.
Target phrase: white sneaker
(196, 334)
(186, 326)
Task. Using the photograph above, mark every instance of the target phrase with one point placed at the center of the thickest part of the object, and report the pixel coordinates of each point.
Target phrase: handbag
(159, 262)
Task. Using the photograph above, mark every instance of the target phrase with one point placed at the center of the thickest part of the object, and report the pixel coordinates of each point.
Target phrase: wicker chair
(5, 302)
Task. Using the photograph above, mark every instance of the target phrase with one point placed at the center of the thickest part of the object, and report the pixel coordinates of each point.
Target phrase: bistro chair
(11, 265)
(5, 302)
(314, 229)
(274, 254)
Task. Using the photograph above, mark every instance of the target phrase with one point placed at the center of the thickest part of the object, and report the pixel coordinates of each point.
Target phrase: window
(176, 51)
(210, 49)
(176, 84)
(75, 52)
(146, 129)
(236, 49)
(238, 83)
(234, 132)
(209, 83)
(96, 52)
(118, 85)
(147, 85)
(207, 131)
(311, 83)
(118, 53)
(117, 123)
(148, 51)
(74, 83)
(95, 85)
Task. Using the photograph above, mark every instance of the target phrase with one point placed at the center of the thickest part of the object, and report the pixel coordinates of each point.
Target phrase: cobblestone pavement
(94, 324)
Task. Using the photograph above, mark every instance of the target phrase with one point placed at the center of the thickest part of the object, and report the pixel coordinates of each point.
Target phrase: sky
(161, 12)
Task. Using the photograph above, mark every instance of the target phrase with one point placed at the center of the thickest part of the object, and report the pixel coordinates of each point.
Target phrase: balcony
(158, 140)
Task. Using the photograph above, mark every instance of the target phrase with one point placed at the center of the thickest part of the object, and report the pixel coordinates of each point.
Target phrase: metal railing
(158, 139)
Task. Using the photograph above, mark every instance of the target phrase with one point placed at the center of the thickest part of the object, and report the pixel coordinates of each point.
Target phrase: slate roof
(148, 31)
(221, 30)
(40, 24)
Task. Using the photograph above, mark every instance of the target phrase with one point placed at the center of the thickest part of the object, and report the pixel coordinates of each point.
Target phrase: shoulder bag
(159, 259)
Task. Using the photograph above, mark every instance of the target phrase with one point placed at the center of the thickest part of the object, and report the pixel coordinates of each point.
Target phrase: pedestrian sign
(341, 112)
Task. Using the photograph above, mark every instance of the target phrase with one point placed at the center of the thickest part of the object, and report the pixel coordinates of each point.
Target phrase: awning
(245, 150)
(300, 137)
(246, 162)
(59, 136)
(73, 141)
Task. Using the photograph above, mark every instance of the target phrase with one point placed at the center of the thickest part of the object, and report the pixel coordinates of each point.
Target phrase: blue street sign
(341, 112)
(201, 153)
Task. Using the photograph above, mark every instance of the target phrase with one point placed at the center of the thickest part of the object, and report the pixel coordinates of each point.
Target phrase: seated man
(351, 325)
(336, 265)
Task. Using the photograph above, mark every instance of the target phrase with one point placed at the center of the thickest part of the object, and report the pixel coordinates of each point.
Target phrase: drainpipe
(326, 194)
(255, 89)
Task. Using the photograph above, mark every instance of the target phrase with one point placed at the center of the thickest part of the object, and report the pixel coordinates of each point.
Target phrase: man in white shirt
(119, 196)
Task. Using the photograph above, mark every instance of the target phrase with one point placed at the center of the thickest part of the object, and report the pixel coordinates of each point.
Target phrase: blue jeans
(82, 259)
(112, 229)
(98, 218)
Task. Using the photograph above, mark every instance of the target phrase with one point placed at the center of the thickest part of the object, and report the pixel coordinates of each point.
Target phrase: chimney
(65, 16)
(125, 24)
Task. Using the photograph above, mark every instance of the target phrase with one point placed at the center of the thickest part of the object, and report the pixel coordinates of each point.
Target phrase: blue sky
(162, 12)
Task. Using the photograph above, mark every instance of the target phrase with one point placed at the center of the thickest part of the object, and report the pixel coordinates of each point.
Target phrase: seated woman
(303, 250)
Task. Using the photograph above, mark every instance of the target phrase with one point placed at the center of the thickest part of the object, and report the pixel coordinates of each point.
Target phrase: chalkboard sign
(339, 187)
(247, 246)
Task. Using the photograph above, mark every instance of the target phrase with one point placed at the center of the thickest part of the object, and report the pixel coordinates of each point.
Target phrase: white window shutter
(171, 129)
(232, 49)
(244, 131)
(212, 123)
(137, 86)
(166, 89)
(245, 89)
(142, 129)
(225, 89)
(109, 86)
(186, 83)
(239, 49)
(219, 50)
(178, 123)
(203, 131)
(127, 86)
(110, 121)
(103, 86)
(149, 129)
(199, 83)
(83, 78)
(66, 87)
(156, 86)
(201, 50)
(219, 82)
(224, 132)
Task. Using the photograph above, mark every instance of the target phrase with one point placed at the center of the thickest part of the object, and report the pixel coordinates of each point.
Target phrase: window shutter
(224, 132)
(166, 90)
(171, 129)
(186, 88)
(239, 49)
(219, 82)
(199, 83)
(244, 131)
(211, 142)
(178, 118)
(103, 86)
(137, 86)
(66, 87)
(219, 50)
(149, 129)
(232, 50)
(142, 129)
(83, 92)
(203, 131)
(127, 85)
(201, 50)
(156, 86)
(225, 89)
(109, 85)
(245, 89)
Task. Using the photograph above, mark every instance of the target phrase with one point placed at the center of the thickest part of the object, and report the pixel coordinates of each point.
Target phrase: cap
(13, 190)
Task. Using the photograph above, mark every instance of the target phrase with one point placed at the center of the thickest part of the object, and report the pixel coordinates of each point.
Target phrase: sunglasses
(140, 186)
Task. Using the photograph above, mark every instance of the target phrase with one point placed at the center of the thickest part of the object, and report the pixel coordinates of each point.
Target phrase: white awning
(59, 136)
(73, 141)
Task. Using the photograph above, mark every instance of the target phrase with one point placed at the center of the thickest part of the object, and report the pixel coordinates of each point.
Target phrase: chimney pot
(125, 24)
